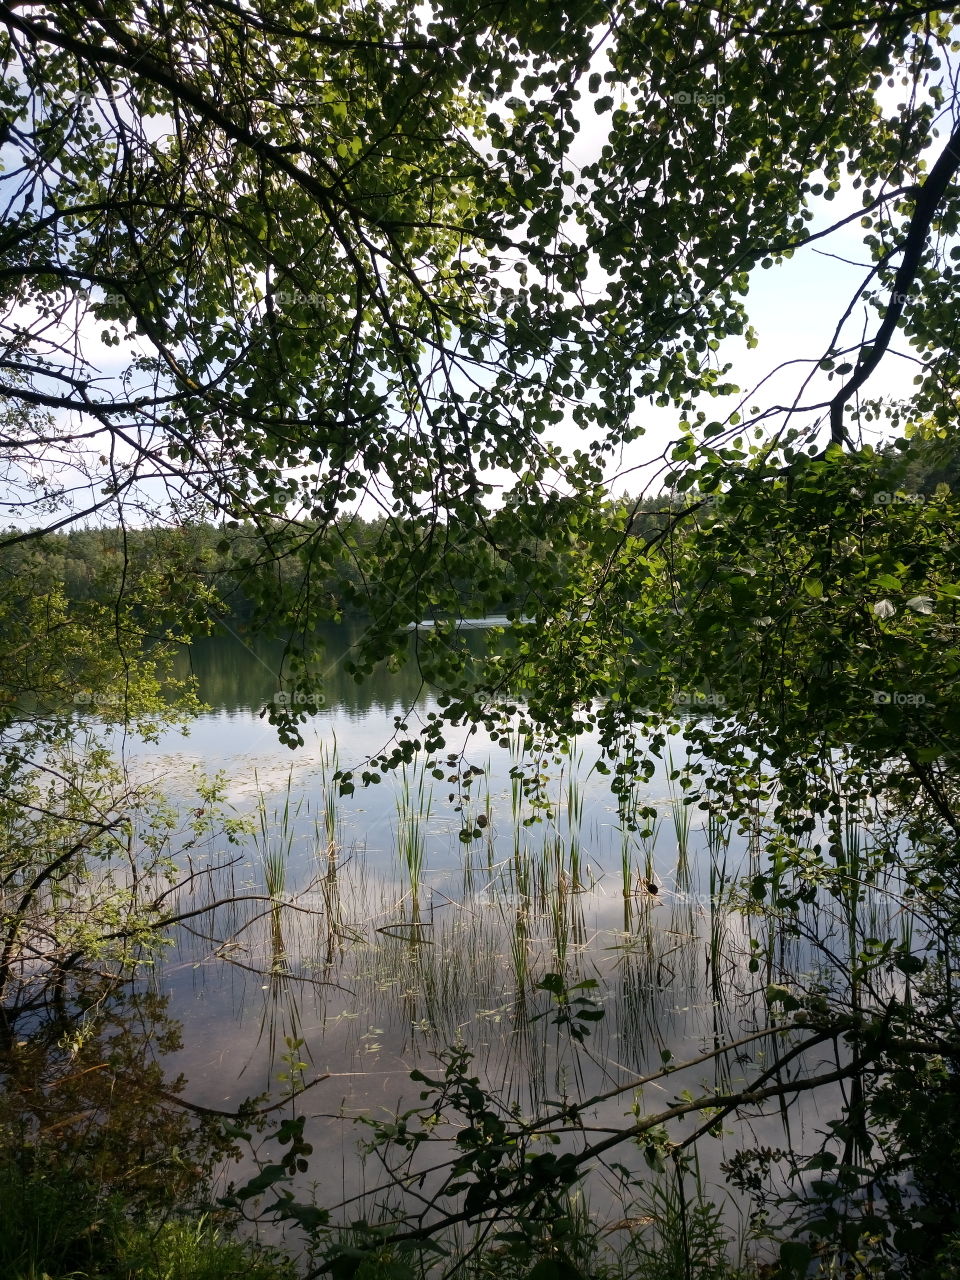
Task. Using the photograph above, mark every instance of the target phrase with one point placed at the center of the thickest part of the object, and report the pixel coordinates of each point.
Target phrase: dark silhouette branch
(928, 201)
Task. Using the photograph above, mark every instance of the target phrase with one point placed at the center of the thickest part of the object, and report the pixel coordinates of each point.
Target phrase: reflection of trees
(83, 1092)
(243, 673)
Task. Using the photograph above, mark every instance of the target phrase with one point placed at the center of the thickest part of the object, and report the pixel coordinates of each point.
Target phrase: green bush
(55, 1227)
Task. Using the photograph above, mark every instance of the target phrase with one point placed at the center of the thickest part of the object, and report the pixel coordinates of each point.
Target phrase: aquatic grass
(328, 846)
(275, 873)
(329, 882)
(855, 865)
(522, 873)
(455, 978)
(680, 812)
(574, 862)
(274, 837)
(555, 900)
(574, 815)
(329, 768)
(776, 875)
(626, 876)
(414, 806)
(682, 1234)
(638, 824)
(520, 963)
(718, 835)
(648, 844)
(574, 852)
(626, 862)
(485, 821)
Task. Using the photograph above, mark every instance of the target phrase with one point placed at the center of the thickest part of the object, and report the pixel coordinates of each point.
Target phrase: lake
(365, 932)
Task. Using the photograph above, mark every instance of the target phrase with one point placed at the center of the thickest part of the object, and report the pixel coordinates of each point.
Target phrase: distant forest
(103, 564)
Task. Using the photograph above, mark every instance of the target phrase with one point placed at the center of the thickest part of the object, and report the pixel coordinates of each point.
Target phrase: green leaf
(262, 1181)
(795, 1258)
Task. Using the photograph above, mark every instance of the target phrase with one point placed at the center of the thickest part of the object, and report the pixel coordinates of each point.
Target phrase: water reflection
(84, 1091)
(240, 673)
(394, 925)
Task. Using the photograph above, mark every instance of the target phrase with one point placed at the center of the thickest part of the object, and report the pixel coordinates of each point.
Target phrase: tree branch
(930, 194)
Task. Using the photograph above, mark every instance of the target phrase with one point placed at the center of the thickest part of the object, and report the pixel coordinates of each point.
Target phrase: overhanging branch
(930, 195)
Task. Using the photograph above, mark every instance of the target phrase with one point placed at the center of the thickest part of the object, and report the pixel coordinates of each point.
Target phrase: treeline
(231, 564)
(235, 563)
(102, 565)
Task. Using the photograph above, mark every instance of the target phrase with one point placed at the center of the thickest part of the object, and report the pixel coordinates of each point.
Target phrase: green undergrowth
(55, 1228)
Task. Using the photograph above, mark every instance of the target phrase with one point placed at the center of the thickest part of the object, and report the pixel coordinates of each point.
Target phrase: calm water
(376, 964)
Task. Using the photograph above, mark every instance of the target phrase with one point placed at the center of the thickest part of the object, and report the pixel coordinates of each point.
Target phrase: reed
(329, 767)
(520, 958)
(275, 874)
(414, 806)
(680, 813)
(648, 844)
(274, 836)
(574, 818)
(718, 835)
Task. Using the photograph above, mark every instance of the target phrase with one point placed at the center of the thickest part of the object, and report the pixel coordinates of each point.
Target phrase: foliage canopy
(269, 262)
